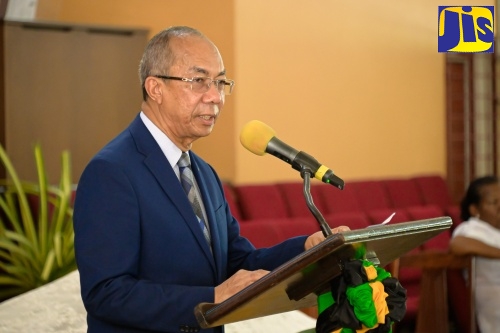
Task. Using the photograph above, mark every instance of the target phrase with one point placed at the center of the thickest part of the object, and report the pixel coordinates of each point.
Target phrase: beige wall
(358, 85)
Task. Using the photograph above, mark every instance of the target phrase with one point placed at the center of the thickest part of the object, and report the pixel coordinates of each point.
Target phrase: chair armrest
(435, 265)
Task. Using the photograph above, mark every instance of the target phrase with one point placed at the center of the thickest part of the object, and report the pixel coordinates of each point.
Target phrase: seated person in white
(479, 235)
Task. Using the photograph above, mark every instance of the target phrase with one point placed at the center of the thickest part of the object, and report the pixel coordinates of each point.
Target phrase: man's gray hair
(158, 56)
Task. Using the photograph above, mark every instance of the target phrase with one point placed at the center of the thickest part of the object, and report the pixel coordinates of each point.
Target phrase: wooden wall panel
(68, 87)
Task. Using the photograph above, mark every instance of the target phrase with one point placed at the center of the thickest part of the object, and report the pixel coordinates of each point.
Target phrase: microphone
(259, 138)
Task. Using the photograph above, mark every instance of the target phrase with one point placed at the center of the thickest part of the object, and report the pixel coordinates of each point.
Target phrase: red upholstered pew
(361, 203)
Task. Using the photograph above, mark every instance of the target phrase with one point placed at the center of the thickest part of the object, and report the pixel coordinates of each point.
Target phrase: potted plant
(36, 228)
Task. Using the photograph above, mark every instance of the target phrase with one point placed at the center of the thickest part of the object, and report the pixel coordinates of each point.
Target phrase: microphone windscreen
(255, 136)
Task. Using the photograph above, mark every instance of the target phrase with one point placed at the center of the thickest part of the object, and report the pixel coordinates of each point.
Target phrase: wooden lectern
(297, 283)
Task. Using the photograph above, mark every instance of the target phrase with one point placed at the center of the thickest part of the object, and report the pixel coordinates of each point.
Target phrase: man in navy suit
(143, 258)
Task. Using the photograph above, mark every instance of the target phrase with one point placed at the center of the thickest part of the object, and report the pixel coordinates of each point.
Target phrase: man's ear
(473, 210)
(153, 88)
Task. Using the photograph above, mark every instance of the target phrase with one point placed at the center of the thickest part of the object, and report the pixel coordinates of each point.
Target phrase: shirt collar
(169, 149)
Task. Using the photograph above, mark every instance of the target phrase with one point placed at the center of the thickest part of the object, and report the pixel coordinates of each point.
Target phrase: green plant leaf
(48, 267)
(42, 196)
(9, 280)
(20, 272)
(19, 238)
(58, 249)
(24, 208)
(14, 248)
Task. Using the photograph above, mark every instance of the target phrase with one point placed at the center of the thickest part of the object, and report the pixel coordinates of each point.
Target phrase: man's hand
(237, 282)
(318, 237)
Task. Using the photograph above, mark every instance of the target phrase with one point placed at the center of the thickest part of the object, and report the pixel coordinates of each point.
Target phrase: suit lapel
(159, 166)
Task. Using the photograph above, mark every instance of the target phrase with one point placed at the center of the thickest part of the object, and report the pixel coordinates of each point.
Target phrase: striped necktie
(187, 182)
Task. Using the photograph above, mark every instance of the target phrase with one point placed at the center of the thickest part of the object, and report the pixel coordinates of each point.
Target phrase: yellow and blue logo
(465, 29)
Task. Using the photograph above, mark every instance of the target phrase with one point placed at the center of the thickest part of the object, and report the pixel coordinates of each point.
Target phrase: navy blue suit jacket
(144, 263)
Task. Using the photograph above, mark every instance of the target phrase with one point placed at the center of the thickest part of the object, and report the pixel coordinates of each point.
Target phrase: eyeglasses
(201, 84)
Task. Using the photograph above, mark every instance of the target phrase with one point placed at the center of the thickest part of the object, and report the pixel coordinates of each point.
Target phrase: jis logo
(465, 29)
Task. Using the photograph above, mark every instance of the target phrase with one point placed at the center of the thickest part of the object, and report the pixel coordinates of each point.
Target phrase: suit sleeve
(243, 255)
